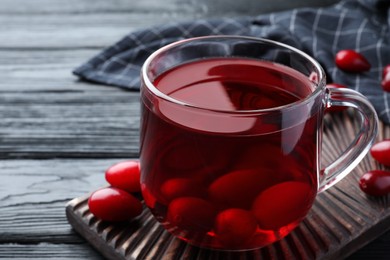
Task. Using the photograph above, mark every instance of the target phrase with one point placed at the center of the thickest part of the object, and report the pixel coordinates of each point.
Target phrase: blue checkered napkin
(361, 25)
(120, 64)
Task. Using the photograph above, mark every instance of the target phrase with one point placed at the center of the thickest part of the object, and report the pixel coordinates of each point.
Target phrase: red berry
(238, 189)
(386, 78)
(375, 183)
(191, 214)
(386, 83)
(234, 227)
(381, 152)
(282, 204)
(352, 61)
(112, 204)
(386, 70)
(181, 187)
(125, 175)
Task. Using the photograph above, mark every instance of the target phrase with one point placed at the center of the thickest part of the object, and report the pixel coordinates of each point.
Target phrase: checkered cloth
(362, 25)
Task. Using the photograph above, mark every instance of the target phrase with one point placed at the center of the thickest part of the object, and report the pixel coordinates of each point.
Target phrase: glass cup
(230, 142)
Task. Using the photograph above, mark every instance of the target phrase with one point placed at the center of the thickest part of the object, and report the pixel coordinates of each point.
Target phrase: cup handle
(360, 146)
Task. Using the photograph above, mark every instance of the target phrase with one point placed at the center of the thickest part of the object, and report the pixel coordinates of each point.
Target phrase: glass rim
(155, 91)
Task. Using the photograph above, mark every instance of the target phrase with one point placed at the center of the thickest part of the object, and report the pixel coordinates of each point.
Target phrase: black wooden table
(57, 134)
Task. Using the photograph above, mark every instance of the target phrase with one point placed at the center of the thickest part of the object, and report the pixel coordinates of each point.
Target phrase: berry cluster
(117, 202)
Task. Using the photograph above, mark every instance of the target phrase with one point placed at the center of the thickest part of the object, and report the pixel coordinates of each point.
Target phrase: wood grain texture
(50, 7)
(33, 195)
(342, 220)
(69, 124)
(26, 71)
(52, 32)
(48, 250)
(191, 7)
(45, 24)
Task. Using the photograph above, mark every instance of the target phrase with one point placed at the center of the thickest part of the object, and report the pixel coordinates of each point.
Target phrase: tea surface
(234, 84)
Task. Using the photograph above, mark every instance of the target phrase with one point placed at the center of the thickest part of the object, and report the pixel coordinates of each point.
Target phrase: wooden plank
(48, 251)
(44, 24)
(36, 183)
(45, 58)
(29, 7)
(33, 194)
(58, 31)
(41, 70)
(33, 72)
(69, 124)
(187, 6)
(33, 222)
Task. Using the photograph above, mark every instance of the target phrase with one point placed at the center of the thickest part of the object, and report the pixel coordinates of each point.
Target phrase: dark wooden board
(342, 220)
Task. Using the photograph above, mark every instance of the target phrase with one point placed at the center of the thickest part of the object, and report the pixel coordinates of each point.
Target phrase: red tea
(220, 180)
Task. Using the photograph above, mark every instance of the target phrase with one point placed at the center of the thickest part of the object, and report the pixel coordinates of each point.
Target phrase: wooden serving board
(342, 220)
